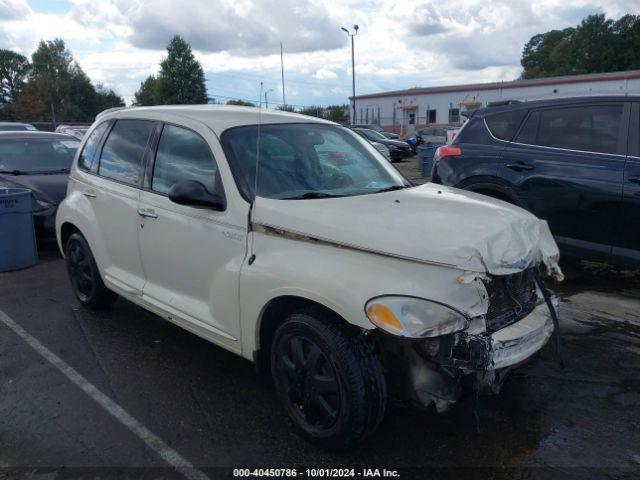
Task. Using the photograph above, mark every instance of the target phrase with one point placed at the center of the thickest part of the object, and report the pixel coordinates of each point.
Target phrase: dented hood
(429, 223)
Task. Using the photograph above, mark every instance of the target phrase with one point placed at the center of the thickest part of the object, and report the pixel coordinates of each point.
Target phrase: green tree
(241, 103)
(312, 111)
(107, 98)
(57, 82)
(543, 54)
(14, 69)
(149, 93)
(596, 45)
(181, 78)
(286, 108)
(337, 113)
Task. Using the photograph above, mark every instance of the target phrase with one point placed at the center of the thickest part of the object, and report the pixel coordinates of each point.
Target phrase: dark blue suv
(574, 162)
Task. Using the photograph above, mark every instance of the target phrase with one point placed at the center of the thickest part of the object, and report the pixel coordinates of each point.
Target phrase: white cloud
(324, 74)
(14, 9)
(401, 43)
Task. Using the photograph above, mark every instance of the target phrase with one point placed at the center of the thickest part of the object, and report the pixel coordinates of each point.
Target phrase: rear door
(114, 195)
(567, 163)
(626, 251)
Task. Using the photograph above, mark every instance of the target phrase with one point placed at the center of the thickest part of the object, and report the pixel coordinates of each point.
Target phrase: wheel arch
(275, 311)
(66, 230)
(492, 188)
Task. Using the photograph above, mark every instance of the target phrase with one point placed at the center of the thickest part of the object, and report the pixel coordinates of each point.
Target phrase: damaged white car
(291, 241)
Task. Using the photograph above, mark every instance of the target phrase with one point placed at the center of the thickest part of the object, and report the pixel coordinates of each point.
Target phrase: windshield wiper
(392, 188)
(310, 195)
(13, 172)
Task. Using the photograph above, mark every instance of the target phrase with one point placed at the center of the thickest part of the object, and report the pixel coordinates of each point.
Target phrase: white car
(291, 242)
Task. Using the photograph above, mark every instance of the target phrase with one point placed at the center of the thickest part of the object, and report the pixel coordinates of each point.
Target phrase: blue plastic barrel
(425, 154)
(17, 236)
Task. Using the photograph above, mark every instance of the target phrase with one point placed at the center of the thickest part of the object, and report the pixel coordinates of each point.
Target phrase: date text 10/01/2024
(316, 472)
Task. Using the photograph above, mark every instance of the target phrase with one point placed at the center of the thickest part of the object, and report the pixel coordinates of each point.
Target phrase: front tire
(328, 379)
(86, 281)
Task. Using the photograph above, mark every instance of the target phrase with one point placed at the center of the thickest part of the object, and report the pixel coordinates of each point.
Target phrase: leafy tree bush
(596, 45)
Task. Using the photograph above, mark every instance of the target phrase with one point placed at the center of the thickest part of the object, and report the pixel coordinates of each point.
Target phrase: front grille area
(511, 297)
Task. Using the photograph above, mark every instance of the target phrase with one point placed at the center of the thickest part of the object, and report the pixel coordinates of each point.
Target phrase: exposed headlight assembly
(412, 317)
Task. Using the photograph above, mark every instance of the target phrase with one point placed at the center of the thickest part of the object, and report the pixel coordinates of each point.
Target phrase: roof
(31, 134)
(537, 82)
(216, 117)
(554, 102)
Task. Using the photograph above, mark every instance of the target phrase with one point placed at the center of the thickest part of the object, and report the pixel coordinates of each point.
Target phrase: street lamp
(266, 101)
(353, 69)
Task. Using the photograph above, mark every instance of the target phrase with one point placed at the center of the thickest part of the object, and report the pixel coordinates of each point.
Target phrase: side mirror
(195, 194)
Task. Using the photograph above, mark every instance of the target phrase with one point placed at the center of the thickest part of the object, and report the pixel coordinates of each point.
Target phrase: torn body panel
(435, 370)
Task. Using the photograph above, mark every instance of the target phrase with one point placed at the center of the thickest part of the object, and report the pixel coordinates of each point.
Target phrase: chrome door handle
(520, 166)
(149, 213)
(89, 194)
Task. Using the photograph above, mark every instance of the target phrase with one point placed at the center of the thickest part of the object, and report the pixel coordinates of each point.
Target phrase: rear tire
(328, 378)
(86, 281)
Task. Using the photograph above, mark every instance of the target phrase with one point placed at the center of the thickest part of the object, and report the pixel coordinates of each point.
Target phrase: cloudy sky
(400, 44)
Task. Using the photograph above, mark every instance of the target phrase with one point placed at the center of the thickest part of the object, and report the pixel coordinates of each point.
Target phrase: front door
(567, 163)
(191, 256)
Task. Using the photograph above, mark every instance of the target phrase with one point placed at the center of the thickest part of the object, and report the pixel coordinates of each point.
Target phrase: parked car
(432, 136)
(16, 127)
(39, 161)
(397, 149)
(382, 149)
(295, 245)
(574, 162)
(77, 131)
(377, 128)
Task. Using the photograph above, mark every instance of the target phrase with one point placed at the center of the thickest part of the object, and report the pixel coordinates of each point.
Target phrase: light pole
(266, 101)
(353, 69)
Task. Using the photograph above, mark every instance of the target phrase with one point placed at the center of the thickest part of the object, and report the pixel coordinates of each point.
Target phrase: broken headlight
(414, 317)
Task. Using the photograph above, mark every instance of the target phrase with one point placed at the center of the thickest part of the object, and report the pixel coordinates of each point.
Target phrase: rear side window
(89, 151)
(592, 129)
(505, 125)
(183, 155)
(122, 153)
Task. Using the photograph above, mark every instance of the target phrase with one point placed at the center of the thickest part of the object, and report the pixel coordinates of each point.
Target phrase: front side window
(183, 155)
(89, 150)
(124, 149)
(299, 161)
(504, 125)
(592, 129)
(37, 155)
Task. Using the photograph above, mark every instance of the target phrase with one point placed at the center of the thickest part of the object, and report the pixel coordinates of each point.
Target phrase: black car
(38, 161)
(17, 127)
(574, 162)
(397, 148)
(377, 128)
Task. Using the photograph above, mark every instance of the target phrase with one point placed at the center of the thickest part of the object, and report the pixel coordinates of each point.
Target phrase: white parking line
(165, 452)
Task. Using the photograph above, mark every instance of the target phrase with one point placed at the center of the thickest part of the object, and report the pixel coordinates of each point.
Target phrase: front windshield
(299, 161)
(31, 155)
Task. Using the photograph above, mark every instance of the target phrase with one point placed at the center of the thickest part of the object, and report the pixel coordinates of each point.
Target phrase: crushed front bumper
(517, 342)
(436, 369)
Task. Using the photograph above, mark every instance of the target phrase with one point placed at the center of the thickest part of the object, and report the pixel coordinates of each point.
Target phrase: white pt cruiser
(294, 243)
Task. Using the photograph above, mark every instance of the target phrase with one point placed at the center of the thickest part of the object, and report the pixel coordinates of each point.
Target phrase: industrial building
(404, 111)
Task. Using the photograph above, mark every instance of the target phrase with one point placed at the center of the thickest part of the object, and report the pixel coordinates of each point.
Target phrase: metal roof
(537, 82)
(216, 117)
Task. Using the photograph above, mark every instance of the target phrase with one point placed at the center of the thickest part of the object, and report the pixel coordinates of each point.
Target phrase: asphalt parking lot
(212, 409)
